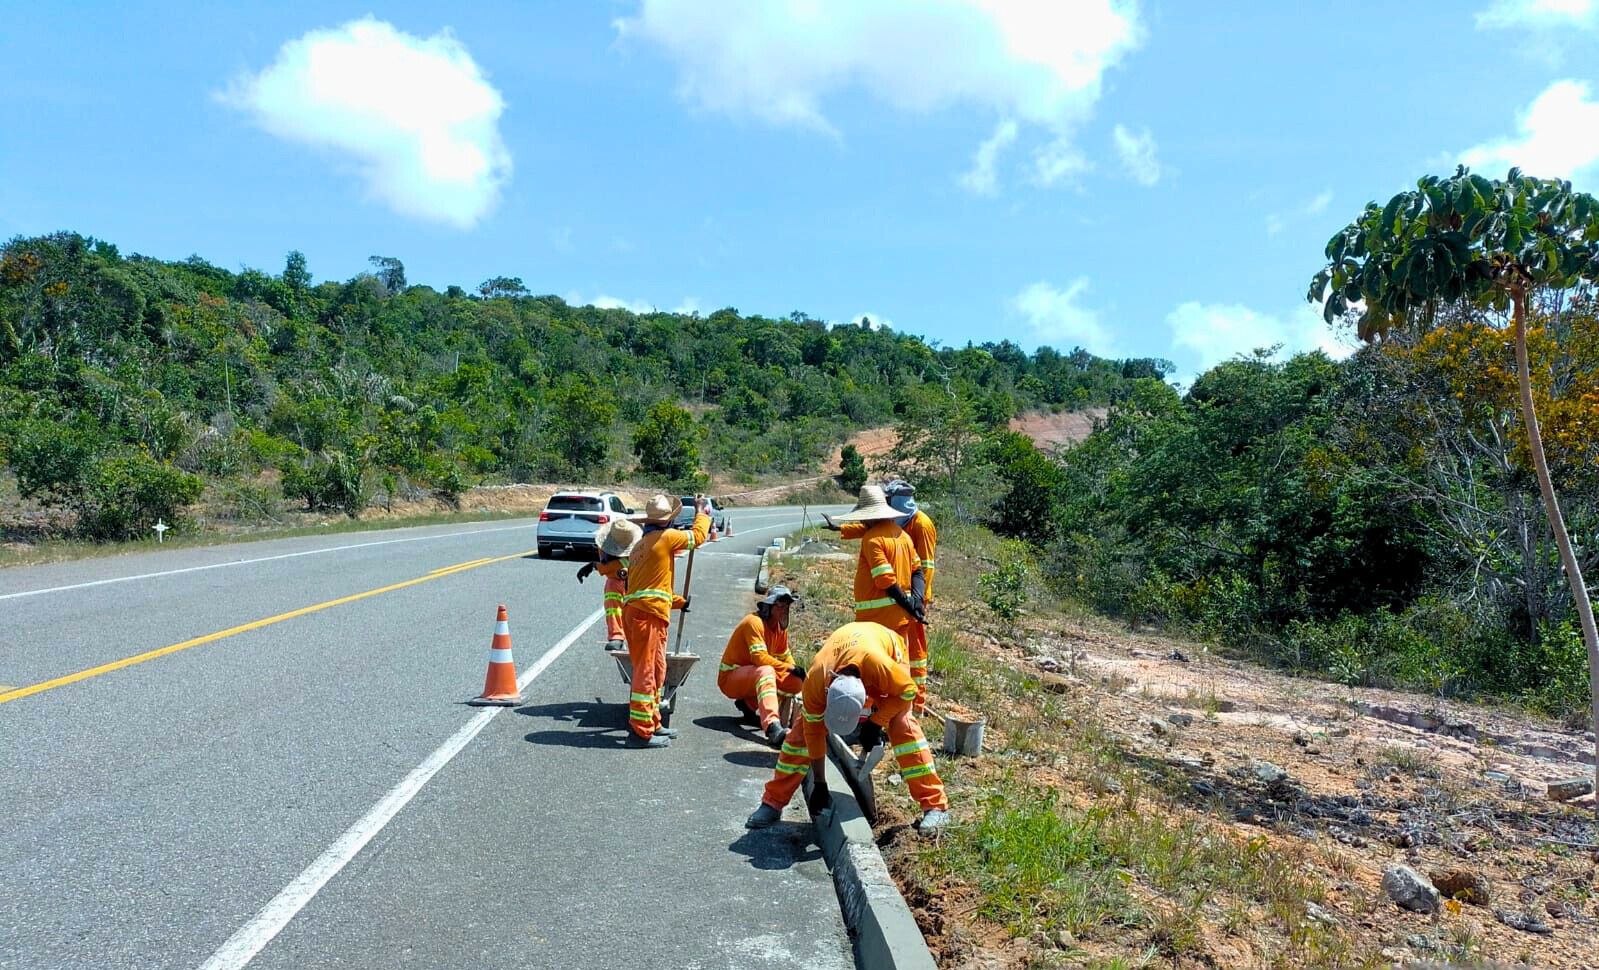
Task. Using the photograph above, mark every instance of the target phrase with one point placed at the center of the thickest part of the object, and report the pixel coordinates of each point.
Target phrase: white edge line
(246, 562)
(253, 936)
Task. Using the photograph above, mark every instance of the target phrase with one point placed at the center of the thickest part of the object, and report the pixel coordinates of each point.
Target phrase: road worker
(757, 669)
(855, 672)
(888, 574)
(616, 540)
(919, 526)
(647, 609)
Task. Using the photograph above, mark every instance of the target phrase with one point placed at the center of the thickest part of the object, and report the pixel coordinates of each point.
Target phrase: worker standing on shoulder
(919, 526)
(855, 670)
(888, 574)
(647, 610)
(616, 540)
(757, 668)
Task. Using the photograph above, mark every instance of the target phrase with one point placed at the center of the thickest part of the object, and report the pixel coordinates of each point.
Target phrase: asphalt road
(310, 791)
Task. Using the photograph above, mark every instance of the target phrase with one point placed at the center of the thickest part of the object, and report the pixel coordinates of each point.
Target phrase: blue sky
(1159, 179)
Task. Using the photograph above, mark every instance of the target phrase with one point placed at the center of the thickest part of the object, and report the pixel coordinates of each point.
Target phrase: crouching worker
(616, 540)
(757, 668)
(855, 672)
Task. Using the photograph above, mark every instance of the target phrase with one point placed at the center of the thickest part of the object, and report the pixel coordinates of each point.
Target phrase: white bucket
(779, 543)
(963, 737)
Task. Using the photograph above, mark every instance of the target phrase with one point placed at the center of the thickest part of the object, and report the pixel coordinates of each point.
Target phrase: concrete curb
(763, 578)
(886, 934)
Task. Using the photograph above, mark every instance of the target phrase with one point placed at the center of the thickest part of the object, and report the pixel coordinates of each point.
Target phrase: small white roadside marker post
(160, 531)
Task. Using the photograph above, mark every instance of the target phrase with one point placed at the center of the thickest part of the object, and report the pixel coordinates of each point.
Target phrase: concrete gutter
(886, 934)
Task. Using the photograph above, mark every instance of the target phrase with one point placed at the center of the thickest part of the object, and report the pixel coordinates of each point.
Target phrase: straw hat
(617, 537)
(872, 506)
(662, 509)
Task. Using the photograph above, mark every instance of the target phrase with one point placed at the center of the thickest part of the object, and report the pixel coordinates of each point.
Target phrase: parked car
(570, 519)
(685, 518)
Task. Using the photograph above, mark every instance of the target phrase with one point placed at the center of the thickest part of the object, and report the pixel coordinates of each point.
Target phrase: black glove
(870, 736)
(830, 523)
(819, 799)
(913, 607)
(584, 572)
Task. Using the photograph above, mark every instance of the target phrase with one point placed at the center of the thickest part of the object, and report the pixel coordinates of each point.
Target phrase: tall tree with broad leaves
(1513, 246)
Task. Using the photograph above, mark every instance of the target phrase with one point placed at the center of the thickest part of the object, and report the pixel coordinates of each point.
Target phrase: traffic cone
(499, 688)
(729, 524)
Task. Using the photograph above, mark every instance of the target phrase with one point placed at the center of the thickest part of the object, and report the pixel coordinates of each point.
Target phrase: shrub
(852, 469)
(1004, 588)
(126, 494)
(334, 480)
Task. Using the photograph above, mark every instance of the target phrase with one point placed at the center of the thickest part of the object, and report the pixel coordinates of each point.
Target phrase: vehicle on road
(685, 517)
(570, 520)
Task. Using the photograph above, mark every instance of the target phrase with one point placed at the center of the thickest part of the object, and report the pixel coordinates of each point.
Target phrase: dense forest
(130, 385)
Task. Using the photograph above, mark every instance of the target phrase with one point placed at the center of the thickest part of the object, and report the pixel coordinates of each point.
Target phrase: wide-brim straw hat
(617, 537)
(872, 506)
(662, 509)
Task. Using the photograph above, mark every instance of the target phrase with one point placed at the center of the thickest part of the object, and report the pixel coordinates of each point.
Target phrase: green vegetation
(129, 384)
(1381, 520)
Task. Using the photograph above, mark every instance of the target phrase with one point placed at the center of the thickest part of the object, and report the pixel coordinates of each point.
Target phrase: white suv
(570, 519)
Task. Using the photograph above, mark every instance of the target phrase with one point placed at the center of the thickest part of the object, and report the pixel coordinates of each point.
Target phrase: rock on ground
(1409, 889)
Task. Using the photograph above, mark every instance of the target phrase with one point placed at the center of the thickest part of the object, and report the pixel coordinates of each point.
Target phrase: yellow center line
(461, 565)
(14, 694)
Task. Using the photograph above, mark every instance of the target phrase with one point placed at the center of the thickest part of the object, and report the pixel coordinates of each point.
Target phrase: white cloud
(415, 115)
(1137, 151)
(980, 178)
(1057, 317)
(1276, 222)
(1557, 136)
(1539, 14)
(604, 301)
(1028, 61)
(1213, 332)
(1059, 161)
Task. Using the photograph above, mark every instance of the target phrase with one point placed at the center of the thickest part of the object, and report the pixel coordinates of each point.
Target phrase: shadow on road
(752, 759)
(603, 725)
(779, 847)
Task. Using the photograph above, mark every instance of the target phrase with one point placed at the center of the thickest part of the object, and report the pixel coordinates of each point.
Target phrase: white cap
(846, 696)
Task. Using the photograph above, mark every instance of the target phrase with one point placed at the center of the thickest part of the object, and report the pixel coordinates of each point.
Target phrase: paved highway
(258, 755)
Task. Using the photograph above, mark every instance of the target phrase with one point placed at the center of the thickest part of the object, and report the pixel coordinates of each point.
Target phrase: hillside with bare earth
(1052, 430)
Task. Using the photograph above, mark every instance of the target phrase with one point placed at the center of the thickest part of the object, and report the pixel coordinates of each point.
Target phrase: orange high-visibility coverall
(615, 589)
(646, 612)
(757, 667)
(887, 558)
(924, 537)
(869, 648)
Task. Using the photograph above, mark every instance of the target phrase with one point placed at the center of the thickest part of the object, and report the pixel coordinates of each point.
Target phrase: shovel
(858, 772)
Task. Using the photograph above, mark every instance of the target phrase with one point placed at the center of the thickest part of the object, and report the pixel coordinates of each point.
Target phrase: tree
(852, 469)
(295, 276)
(502, 286)
(390, 272)
(667, 444)
(1520, 245)
(580, 420)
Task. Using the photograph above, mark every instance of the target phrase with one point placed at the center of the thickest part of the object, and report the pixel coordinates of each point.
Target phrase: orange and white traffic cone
(499, 688)
(729, 524)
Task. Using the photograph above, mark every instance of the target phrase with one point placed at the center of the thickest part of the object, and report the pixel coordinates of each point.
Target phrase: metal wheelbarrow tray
(678, 666)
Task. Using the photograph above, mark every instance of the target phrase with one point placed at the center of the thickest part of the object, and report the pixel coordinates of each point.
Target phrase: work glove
(819, 799)
(680, 603)
(584, 572)
(870, 736)
(830, 523)
(906, 603)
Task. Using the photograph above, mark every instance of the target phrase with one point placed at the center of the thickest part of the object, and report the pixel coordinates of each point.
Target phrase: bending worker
(888, 575)
(616, 540)
(757, 667)
(901, 496)
(647, 610)
(855, 668)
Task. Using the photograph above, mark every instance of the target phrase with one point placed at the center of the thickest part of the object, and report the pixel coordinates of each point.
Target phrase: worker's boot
(653, 741)
(665, 732)
(775, 733)
(762, 817)
(746, 715)
(932, 821)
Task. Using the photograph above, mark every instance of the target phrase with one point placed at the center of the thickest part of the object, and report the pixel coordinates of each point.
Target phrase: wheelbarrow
(678, 666)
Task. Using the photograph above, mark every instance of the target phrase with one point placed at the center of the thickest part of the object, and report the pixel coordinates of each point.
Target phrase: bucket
(963, 737)
(779, 543)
